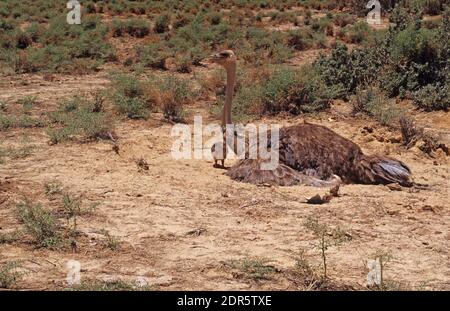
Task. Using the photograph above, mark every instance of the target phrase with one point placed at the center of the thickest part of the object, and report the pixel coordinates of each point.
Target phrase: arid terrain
(180, 222)
(184, 225)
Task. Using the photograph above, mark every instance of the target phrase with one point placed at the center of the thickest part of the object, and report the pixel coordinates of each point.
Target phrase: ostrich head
(226, 59)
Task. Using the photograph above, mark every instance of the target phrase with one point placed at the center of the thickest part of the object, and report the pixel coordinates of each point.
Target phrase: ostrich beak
(211, 59)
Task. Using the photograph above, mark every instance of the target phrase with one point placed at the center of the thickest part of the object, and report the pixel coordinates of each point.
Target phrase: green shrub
(79, 117)
(9, 274)
(40, 224)
(153, 55)
(113, 285)
(162, 23)
(135, 27)
(132, 107)
(128, 97)
(358, 32)
(296, 92)
(175, 94)
(21, 121)
(433, 97)
(374, 103)
(344, 71)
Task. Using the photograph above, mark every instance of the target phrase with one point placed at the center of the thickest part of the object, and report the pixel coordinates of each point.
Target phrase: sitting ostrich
(309, 154)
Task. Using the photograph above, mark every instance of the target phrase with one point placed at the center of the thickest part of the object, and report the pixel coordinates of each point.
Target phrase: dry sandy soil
(180, 223)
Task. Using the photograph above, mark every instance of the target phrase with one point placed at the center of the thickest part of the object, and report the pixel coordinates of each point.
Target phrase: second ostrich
(308, 153)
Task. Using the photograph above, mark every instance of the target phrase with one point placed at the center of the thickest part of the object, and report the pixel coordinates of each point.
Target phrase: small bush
(138, 28)
(358, 32)
(10, 237)
(254, 268)
(162, 23)
(9, 274)
(295, 92)
(21, 121)
(175, 94)
(433, 97)
(128, 97)
(109, 286)
(374, 103)
(154, 55)
(77, 117)
(40, 224)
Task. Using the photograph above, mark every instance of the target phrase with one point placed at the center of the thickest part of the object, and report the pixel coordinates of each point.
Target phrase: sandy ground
(153, 212)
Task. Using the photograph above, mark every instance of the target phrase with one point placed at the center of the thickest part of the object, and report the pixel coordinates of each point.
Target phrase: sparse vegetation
(9, 274)
(16, 153)
(10, 237)
(79, 117)
(326, 238)
(129, 97)
(113, 285)
(373, 102)
(111, 242)
(40, 223)
(256, 269)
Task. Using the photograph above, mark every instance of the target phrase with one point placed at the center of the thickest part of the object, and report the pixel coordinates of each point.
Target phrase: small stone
(394, 187)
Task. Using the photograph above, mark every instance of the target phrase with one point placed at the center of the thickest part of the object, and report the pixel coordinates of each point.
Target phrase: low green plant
(433, 97)
(10, 237)
(129, 98)
(17, 153)
(52, 188)
(295, 92)
(111, 242)
(112, 285)
(175, 95)
(373, 102)
(326, 238)
(72, 209)
(79, 117)
(256, 269)
(135, 27)
(162, 23)
(40, 223)
(18, 121)
(9, 274)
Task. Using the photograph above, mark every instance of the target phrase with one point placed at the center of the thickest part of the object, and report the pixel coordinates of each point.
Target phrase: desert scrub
(162, 23)
(357, 33)
(110, 241)
(326, 238)
(153, 55)
(40, 224)
(174, 95)
(9, 274)
(345, 70)
(135, 27)
(57, 48)
(256, 269)
(27, 102)
(18, 121)
(79, 117)
(112, 285)
(128, 97)
(295, 91)
(375, 103)
(16, 153)
(433, 97)
(10, 237)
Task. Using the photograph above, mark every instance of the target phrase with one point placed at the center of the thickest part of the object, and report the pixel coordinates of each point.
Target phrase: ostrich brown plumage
(309, 154)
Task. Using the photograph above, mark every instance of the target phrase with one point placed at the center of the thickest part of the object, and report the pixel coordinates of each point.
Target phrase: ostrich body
(309, 154)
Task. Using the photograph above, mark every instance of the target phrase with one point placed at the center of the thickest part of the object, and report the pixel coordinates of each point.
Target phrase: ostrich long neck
(231, 80)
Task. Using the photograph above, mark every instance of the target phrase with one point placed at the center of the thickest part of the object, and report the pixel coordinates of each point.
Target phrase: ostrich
(309, 154)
